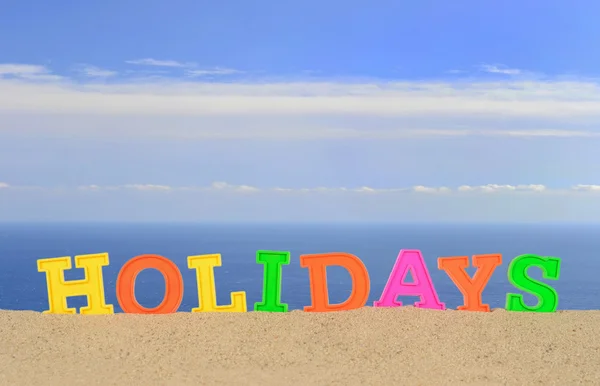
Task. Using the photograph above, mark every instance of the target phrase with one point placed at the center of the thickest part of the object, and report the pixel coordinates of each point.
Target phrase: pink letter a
(422, 286)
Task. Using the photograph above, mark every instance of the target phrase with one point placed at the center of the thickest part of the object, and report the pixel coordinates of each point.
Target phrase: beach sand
(400, 346)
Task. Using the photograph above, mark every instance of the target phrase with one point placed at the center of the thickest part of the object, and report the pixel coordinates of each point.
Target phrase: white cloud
(214, 71)
(366, 189)
(27, 72)
(534, 187)
(147, 187)
(546, 133)
(21, 69)
(4, 185)
(425, 189)
(96, 188)
(159, 63)
(182, 108)
(215, 186)
(246, 189)
(141, 187)
(89, 187)
(587, 188)
(547, 100)
(491, 188)
(227, 187)
(95, 72)
(43, 77)
(499, 69)
(419, 189)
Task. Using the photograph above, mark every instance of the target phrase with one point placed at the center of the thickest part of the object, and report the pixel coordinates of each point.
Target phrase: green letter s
(517, 275)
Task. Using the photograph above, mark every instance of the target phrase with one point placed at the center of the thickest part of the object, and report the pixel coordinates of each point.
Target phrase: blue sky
(317, 111)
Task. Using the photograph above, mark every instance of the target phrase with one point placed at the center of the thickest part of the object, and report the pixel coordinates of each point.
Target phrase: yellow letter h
(92, 286)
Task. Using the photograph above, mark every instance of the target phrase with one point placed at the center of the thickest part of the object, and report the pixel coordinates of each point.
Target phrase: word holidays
(408, 261)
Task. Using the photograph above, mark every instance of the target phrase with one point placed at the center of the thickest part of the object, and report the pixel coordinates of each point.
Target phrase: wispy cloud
(160, 63)
(92, 187)
(390, 99)
(21, 69)
(94, 72)
(225, 186)
(141, 187)
(27, 71)
(426, 189)
(456, 71)
(147, 187)
(214, 71)
(187, 108)
(191, 68)
(500, 69)
(419, 189)
(490, 188)
(215, 186)
(587, 188)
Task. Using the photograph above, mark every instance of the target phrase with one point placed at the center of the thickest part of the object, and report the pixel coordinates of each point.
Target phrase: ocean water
(377, 245)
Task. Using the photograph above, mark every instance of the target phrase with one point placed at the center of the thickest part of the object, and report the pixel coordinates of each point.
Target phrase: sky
(300, 111)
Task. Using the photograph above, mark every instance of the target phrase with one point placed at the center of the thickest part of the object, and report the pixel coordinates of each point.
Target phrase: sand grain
(369, 346)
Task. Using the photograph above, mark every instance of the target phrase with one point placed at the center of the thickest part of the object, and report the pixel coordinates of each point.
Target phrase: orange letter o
(126, 285)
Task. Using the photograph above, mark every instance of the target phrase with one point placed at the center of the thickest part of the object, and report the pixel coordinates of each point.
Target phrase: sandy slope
(365, 347)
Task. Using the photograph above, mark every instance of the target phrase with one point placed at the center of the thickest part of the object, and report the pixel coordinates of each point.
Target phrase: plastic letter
(317, 265)
(207, 293)
(92, 286)
(471, 288)
(272, 262)
(517, 275)
(126, 285)
(422, 286)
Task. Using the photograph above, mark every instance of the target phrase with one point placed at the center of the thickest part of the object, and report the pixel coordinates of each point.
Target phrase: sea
(22, 287)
